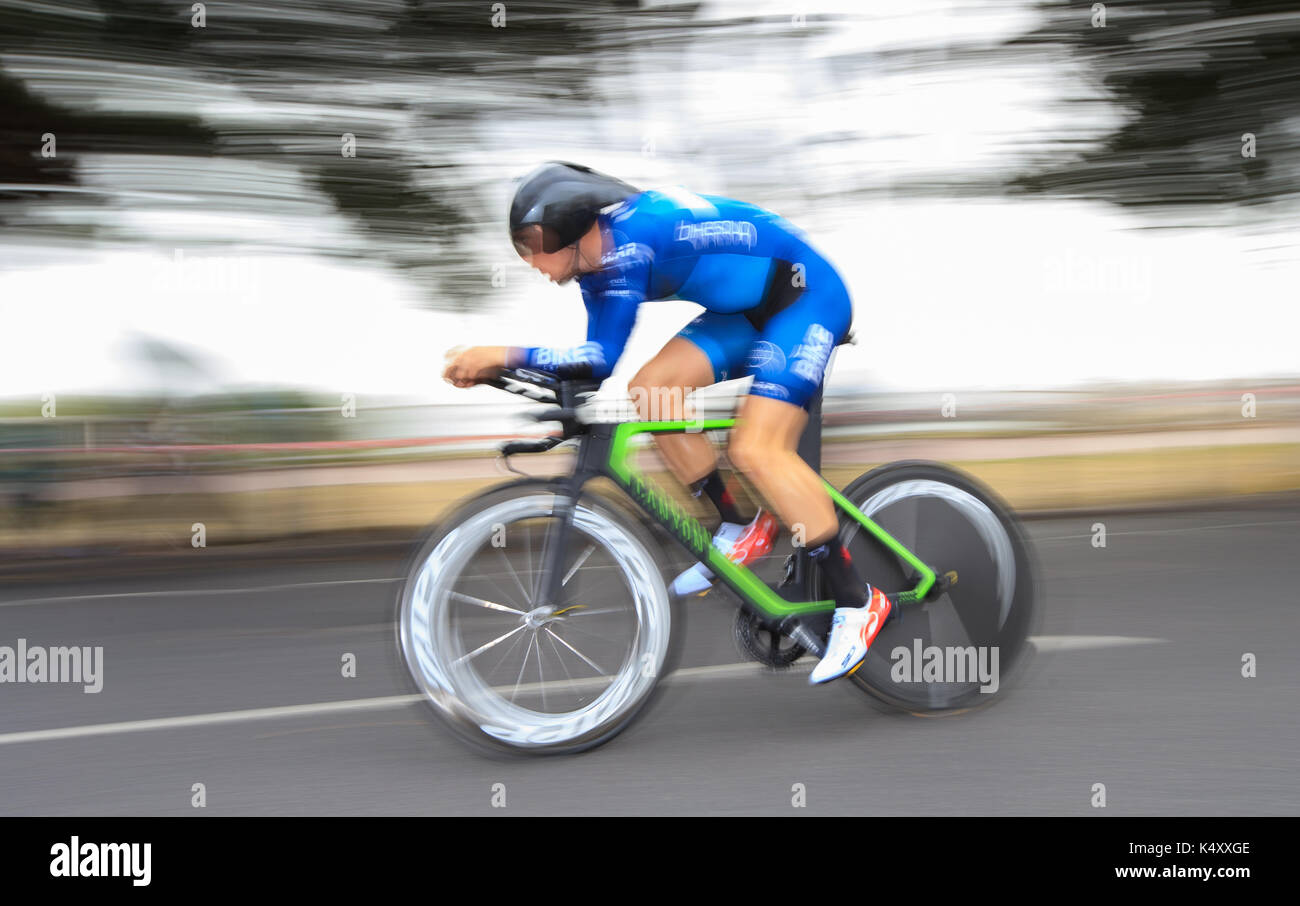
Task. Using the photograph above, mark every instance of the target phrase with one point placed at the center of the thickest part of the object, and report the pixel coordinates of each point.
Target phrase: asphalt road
(1137, 686)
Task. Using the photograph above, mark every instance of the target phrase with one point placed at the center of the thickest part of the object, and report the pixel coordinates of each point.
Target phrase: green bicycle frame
(699, 541)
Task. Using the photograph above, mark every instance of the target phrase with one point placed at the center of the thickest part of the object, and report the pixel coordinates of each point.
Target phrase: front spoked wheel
(506, 669)
(958, 648)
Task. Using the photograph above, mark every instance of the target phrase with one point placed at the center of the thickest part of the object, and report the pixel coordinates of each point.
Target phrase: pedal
(804, 637)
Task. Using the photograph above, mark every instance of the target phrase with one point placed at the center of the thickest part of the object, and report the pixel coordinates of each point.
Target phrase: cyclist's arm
(611, 299)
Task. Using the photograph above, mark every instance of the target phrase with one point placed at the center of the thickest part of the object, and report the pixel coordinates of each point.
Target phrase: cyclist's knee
(650, 375)
(676, 370)
(656, 394)
(750, 454)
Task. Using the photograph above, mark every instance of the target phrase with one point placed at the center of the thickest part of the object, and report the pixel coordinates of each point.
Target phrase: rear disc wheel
(954, 650)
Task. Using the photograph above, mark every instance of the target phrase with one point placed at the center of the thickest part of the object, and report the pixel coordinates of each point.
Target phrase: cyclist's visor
(536, 239)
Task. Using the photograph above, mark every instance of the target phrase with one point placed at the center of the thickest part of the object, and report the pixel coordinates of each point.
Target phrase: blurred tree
(409, 79)
(1192, 79)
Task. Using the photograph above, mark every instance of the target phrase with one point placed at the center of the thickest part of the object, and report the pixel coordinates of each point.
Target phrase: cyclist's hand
(467, 367)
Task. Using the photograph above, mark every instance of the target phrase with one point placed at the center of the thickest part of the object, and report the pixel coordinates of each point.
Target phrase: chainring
(758, 641)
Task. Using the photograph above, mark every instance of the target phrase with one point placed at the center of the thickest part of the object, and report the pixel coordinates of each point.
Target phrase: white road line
(175, 592)
(1171, 531)
(1084, 642)
(192, 591)
(715, 671)
(203, 720)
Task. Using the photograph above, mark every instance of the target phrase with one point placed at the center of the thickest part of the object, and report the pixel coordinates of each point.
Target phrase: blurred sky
(878, 128)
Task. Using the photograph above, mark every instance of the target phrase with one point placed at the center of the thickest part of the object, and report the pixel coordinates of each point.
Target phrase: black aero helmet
(558, 202)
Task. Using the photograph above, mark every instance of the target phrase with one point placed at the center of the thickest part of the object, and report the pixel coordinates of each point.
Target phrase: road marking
(1171, 531)
(175, 592)
(1085, 642)
(204, 720)
(714, 671)
(356, 704)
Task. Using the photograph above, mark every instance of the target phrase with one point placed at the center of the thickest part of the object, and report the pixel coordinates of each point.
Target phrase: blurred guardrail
(128, 478)
(313, 434)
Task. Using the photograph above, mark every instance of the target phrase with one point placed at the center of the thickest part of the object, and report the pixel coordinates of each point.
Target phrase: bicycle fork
(550, 582)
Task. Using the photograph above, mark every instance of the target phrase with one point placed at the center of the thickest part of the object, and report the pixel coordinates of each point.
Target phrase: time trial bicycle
(537, 617)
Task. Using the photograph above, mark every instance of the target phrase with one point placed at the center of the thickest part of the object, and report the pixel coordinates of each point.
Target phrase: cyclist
(774, 308)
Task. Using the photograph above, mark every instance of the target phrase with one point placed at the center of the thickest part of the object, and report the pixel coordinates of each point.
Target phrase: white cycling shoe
(741, 544)
(853, 629)
(699, 577)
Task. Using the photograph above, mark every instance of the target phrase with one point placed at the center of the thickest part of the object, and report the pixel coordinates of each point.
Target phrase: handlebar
(557, 385)
(566, 392)
(510, 380)
(530, 446)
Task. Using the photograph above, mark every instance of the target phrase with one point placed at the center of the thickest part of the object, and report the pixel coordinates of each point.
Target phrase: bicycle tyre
(469, 704)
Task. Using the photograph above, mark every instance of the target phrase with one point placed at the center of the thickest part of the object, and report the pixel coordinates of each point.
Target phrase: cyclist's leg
(764, 447)
(711, 348)
(788, 363)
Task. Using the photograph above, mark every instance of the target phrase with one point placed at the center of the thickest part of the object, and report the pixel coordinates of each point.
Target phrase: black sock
(715, 489)
(846, 585)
